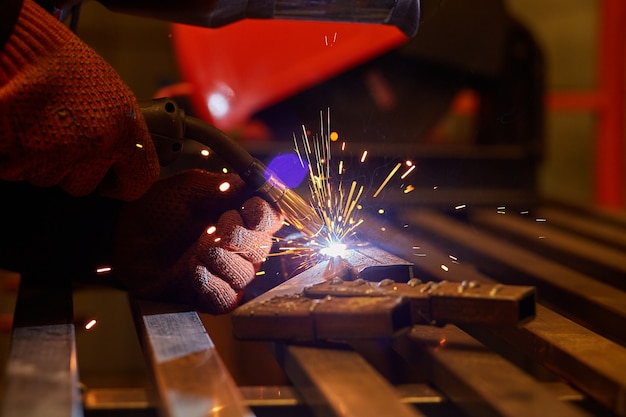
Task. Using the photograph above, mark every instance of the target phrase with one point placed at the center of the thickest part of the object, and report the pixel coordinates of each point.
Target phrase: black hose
(232, 152)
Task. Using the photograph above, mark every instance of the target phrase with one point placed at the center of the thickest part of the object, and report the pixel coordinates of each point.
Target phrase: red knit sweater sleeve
(66, 118)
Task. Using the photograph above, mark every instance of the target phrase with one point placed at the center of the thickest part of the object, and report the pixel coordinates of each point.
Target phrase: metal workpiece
(375, 264)
(567, 348)
(587, 301)
(599, 260)
(443, 302)
(299, 318)
(340, 382)
(189, 374)
(477, 380)
(330, 308)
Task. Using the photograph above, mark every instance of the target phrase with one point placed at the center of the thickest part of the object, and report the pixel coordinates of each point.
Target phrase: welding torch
(170, 128)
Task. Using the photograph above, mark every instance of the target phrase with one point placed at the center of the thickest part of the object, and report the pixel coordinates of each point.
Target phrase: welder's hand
(194, 240)
(66, 117)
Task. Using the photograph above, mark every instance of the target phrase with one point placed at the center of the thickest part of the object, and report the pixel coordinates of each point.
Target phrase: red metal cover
(241, 68)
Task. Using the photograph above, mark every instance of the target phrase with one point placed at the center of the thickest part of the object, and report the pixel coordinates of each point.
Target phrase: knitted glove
(191, 240)
(66, 118)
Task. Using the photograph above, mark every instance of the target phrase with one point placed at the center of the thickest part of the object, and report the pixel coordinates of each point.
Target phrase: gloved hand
(66, 117)
(186, 241)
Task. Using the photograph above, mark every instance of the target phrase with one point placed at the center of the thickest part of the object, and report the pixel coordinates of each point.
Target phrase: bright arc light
(334, 249)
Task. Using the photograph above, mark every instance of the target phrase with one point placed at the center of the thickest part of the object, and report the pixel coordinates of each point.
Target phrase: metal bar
(299, 318)
(563, 346)
(588, 302)
(287, 396)
(442, 302)
(537, 234)
(42, 372)
(591, 363)
(332, 381)
(190, 376)
(337, 382)
(477, 380)
(608, 233)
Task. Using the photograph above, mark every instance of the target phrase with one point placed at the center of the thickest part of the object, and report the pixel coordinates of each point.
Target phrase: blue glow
(289, 169)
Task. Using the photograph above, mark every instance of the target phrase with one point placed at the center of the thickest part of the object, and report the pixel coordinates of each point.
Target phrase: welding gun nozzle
(297, 211)
(300, 214)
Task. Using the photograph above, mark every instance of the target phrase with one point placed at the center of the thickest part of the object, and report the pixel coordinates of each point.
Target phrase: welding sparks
(334, 198)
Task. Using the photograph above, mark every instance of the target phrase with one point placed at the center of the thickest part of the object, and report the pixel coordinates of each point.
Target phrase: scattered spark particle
(409, 163)
(445, 268)
(225, 170)
(217, 239)
(363, 156)
(416, 247)
(500, 212)
(334, 136)
(405, 226)
(391, 174)
(541, 237)
(225, 186)
(420, 254)
(454, 258)
(383, 229)
(502, 208)
(408, 189)
(204, 152)
(258, 274)
(343, 146)
(524, 212)
(139, 145)
(408, 171)
(103, 269)
(90, 325)
(540, 219)
(381, 211)
(340, 170)
(435, 187)
(211, 229)
(460, 206)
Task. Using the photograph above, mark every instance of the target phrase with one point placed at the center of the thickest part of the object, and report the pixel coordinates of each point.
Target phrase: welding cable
(298, 212)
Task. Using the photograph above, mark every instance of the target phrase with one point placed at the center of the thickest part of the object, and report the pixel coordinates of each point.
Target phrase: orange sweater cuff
(36, 34)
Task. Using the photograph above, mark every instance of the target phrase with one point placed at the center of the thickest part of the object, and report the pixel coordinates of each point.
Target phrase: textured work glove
(66, 117)
(193, 240)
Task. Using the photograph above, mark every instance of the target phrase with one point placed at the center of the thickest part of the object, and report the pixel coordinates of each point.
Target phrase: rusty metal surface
(479, 381)
(612, 234)
(299, 318)
(319, 304)
(537, 234)
(576, 295)
(578, 354)
(339, 382)
(443, 302)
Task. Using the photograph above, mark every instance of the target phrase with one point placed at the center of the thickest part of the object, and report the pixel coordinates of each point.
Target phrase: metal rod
(42, 372)
(574, 294)
(477, 380)
(190, 376)
(340, 383)
(563, 346)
